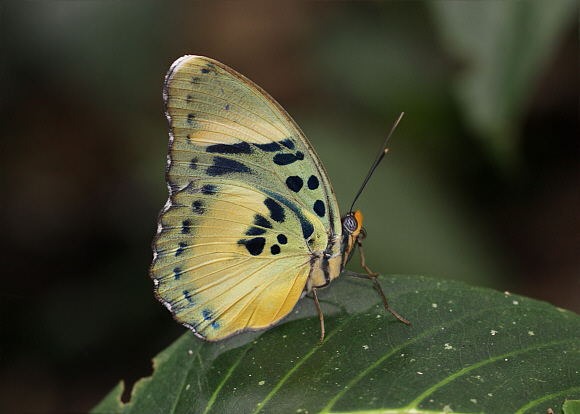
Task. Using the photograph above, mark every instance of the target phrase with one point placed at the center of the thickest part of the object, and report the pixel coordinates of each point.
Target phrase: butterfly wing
(249, 206)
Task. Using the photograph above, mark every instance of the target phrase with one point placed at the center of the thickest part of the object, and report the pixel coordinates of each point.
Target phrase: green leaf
(468, 350)
(571, 407)
(504, 47)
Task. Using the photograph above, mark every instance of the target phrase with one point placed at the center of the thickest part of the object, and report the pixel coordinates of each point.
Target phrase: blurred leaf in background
(503, 48)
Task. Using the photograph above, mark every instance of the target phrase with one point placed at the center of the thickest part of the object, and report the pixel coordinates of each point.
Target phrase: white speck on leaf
(531, 333)
(419, 372)
(365, 347)
(447, 346)
(187, 388)
(473, 400)
(434, 305)
(262, 382)
(493, 332)
(515, 302)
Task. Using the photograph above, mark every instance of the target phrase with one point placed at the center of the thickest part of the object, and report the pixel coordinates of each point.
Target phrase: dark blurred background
(481, 183)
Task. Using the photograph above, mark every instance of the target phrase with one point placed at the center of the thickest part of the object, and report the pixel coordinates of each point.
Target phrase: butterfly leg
(373, 277)
(321, 315)
(362, 259)
(399, 317)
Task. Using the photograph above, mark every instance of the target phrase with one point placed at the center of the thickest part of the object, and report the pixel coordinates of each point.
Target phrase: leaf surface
(468, 350)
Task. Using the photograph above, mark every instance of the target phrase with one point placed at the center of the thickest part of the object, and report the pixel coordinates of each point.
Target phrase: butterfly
(252, 222)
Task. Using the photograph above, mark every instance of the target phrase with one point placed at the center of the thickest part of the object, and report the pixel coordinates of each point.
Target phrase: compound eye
(350, 223)
(363, 234)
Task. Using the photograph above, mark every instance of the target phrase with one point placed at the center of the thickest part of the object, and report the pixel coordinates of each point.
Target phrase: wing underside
(250, 204)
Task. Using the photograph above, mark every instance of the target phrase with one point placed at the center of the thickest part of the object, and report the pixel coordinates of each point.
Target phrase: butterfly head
(353, 232)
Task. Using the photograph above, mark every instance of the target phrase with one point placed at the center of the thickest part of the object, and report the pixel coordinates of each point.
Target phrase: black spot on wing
(307, 226)
(180, 249)
(190, 119)
(271, 147)
(313, 182)
(254, 246)
(186, 226)
(282, 239)
(197, 207)
(285, 159)
(319, 208)
(193, 163)
(222, 165)
(189, 98)
(207, 314)
(195, 80)
(208, 189)
(288, 143)
(276, 210)
(255, 231)
(237, 148)
(294, 183)
(275, 249)
(260, 220)
(209, 67)
(177, 273)
(187, 296)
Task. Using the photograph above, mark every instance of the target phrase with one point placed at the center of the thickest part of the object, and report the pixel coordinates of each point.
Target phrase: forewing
(222, 122)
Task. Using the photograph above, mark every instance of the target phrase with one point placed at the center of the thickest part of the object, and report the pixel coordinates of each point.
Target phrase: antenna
(379, 158)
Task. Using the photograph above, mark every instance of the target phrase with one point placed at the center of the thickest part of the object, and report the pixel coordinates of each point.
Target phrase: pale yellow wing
(250, 205)
(224, 265)
(219, 117)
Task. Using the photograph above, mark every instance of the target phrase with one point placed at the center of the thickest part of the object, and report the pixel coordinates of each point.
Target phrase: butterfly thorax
(327, 265)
